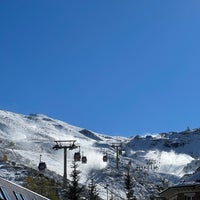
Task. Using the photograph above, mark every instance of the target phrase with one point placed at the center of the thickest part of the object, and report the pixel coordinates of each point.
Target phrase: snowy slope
(30, 136)
(155, 161)
(173, 151)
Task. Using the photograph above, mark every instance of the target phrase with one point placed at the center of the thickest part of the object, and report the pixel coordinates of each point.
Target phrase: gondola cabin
(77, 156)
(105, 158)
(42, 166)
(84, 159)
(120, 152)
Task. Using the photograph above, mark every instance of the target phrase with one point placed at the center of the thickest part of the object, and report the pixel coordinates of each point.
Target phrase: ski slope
(155, 160)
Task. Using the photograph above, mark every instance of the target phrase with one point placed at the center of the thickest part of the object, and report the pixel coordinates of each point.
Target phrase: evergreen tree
(93, 193)
(75, 189)
(129, 185)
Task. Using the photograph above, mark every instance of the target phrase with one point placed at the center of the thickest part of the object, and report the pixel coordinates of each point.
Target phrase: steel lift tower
(116, 146)
(65, 144)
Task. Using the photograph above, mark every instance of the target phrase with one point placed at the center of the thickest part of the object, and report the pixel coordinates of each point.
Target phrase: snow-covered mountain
(155, 161)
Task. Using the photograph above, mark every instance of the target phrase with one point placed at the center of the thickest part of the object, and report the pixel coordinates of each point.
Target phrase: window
(174, 198)
(189, 198)
(4, 194)
(19, 196)
(1, 195)
(24, 197)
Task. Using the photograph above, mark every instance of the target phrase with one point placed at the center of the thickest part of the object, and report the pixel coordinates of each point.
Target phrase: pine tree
(75, 189)
(129, 185)
(93, 193)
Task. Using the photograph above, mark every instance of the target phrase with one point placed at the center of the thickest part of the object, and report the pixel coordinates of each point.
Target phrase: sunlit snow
(25, 138)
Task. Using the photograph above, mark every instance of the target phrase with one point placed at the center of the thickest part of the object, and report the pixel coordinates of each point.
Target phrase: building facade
(181, 192)
(12, 191)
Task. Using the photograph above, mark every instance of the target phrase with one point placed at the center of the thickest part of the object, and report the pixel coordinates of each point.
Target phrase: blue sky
(114, 67)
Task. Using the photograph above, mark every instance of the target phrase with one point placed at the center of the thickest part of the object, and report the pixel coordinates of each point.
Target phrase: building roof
(171, 191)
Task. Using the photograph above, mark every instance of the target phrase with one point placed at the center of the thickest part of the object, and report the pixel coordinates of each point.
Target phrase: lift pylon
(65, 144)
(116, 146)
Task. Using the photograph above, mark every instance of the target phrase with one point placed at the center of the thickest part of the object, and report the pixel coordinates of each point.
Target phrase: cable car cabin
(120, 152)
(77, 156)
(42, 166)
(84, 159)
(105, 158)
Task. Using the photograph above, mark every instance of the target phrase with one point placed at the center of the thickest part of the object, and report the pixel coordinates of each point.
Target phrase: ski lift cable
(112, 192)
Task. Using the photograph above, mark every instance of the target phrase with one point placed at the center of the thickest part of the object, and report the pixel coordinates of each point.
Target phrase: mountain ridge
(156, 161)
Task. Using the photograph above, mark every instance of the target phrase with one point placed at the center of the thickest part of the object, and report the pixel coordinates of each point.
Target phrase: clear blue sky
(115, 67)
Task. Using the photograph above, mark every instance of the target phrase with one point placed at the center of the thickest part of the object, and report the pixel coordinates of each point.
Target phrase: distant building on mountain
(181, 192)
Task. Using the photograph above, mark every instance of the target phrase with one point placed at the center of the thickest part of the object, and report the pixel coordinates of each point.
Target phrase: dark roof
(190, 185)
